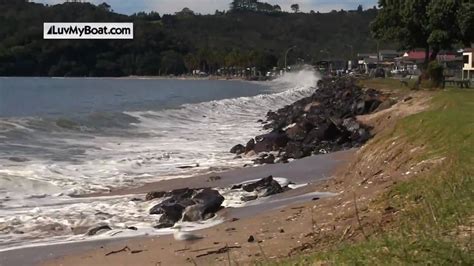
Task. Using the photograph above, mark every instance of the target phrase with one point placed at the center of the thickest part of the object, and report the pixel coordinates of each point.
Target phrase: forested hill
(174, 44)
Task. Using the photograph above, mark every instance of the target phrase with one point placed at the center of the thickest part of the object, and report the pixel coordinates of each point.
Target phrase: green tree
(429, 24)
(466, 22)
(295, 8)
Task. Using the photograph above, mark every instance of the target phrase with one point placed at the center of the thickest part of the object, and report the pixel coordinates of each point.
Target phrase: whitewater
(128, 148)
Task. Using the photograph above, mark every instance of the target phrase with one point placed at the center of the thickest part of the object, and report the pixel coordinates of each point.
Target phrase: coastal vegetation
(433, 208)
(248, 35)
(427, 24)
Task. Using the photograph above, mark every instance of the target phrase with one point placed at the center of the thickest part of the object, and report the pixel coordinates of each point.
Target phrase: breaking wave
(47, 160)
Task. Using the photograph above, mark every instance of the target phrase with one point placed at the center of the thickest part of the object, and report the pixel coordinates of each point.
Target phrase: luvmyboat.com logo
(97, 31)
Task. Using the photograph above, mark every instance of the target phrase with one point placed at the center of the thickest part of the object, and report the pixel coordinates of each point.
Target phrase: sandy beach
(280, 226)
(288, 230)
(311, 170)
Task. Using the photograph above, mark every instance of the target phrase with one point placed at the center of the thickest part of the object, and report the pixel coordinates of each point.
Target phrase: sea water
(61, 138)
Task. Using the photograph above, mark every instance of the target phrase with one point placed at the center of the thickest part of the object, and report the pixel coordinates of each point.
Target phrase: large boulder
(194, 213)
(170, 214)
(208, 201)
(209, 198)
(296, 132)
(238, 149)
(270, 142)
(250, 145)
(265, 187)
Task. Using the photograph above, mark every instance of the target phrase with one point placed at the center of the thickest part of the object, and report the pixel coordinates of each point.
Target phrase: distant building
(367, 61)
(468, 60)
(388, 55)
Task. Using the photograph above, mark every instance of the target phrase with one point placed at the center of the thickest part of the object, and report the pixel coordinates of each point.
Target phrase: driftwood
(218, 251)
(126, 248)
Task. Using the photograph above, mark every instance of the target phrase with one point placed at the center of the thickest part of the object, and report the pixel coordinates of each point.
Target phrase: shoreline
(278, 234)
(211, 77)
(312, 170)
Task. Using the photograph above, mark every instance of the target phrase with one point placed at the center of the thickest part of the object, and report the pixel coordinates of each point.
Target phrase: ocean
(61, 138)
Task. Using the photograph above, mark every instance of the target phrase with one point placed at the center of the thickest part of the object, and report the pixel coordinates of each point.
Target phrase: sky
(209, 6)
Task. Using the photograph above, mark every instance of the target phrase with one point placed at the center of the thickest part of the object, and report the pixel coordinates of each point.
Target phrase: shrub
(435, 73)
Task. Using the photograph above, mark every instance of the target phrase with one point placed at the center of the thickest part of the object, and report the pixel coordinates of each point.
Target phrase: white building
(468, 59)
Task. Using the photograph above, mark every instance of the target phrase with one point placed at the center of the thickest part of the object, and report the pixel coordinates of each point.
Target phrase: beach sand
(293, 228)
(311, 170)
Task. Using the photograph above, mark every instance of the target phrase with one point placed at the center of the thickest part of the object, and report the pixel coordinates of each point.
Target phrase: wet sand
(307, 170)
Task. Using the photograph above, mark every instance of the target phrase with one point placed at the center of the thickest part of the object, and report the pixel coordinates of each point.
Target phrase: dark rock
(155, 195)
(248, 198)
(163, 225)
(251, 239)
(210, 199)
(265, 159)
(182, 193)
(297, 150)
(171, 214)
(194, 213)
(207, 202)
(238, 149)
(97, 229)
(265, 186)
(132, 228)
(297, 132)
(270, 142)
(214, 178)
(323, 122)
(250, 145)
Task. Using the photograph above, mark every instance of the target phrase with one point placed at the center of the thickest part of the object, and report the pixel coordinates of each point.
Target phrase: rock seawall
(321, 123)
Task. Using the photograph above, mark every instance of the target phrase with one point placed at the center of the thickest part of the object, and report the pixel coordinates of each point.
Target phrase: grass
(436, 208)
(392, 84)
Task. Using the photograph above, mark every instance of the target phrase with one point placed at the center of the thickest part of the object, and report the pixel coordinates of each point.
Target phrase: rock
(297, 150)
(163, 225)
(297, 132)
(238, 149)
(250, 145)
(214, 178)
(211, 200)
(323, 122)
(265, 159)
(182, 193)
(208, 201)
(171, 214)
(155, 195)
(248, 198)
(165, 206)
(270, 142)
(309, 106)
(265, 186)
(98, 229)
(251, 239)
(194, 213)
